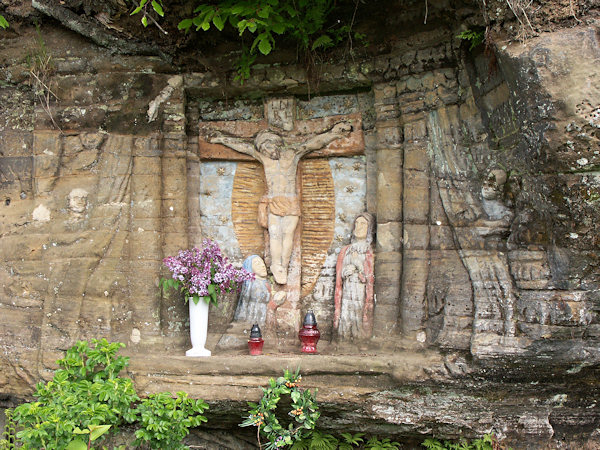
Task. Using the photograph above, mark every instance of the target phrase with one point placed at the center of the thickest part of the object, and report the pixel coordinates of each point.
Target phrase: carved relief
(255, 295)
(353, 316)
(280, 162)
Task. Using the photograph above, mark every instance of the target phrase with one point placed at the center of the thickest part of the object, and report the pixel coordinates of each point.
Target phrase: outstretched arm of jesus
(320, 141)
(237, 144)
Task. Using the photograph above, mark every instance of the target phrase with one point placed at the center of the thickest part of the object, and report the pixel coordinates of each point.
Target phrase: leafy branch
(157, 7)
(265, 22)
(474, 37)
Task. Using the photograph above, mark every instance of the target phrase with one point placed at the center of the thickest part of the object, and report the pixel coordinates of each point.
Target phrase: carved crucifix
(279, 147)
(279, 142)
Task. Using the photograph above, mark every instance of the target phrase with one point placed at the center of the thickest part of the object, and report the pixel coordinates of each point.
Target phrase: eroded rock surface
(480, 167)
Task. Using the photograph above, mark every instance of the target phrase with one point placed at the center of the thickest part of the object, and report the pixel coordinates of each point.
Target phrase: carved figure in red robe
(353, 315)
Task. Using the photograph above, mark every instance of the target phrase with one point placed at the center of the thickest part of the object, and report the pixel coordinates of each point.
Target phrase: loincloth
(279, 205)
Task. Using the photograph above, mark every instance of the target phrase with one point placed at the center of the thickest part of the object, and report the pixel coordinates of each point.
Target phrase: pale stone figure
(353, 314)
(500, 216)
(495, 230)
(280, 207)
(77, 203)
(78, 200)
(255, 295)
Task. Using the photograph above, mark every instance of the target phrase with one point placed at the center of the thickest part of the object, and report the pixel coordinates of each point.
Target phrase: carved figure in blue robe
(255, 295)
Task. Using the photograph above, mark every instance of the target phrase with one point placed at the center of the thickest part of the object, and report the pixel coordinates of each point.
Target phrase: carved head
(268, 144)
(363, 228)
(256, 265)
(78, 200)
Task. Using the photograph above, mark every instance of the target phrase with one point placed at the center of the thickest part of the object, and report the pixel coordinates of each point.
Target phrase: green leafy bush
(86, 392)
(384, 444)
(487, 442)
(165, 421)
(87, 397)
(317, 440)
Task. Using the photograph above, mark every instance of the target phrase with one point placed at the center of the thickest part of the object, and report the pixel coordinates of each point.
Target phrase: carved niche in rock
(279, 148)
(280, 207)
(291, 193)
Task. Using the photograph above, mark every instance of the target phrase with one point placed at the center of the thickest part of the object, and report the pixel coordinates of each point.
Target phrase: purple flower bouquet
(203, 273)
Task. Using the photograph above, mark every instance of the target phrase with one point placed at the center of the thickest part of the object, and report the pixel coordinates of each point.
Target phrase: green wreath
(304, 413)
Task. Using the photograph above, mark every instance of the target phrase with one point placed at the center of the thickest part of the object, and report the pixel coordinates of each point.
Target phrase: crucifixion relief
(279, 142)
(279, 149)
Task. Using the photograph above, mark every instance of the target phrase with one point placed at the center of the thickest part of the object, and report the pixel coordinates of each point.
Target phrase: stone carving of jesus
(280, 159)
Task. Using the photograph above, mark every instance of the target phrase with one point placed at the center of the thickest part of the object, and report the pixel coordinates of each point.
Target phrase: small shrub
(87, 397)
(317, 440)
(86, 392)
(165, 421)
(384, 444)
(487, 442)
(475, 37)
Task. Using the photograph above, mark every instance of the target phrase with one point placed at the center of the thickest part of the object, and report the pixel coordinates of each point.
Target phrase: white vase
(198, 328)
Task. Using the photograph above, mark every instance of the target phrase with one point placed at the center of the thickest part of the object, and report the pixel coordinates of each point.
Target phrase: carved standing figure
(280, 160)
(353, 315)
(255, 294)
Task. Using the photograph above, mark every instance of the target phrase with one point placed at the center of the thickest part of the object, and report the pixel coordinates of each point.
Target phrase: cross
(279, 142)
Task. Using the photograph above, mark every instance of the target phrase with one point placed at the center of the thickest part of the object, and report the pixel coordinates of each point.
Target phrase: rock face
(480, 167)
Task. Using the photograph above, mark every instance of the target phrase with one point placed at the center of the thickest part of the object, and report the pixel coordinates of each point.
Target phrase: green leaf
(145, 21)
(295, 396)
(323, 41)
(278, 28)
(139, 8)
(264, 12)
(205, 26)
(3, 22)
(158, 8)
(219, 22)
(197, 21)
(77, 444)
(98, 430)
(185, 24)
(265, 46)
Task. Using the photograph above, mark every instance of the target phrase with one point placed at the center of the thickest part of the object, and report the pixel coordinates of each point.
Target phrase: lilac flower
(204, 273)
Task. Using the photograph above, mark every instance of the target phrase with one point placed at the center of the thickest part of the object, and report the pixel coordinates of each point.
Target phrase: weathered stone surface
(508, 280)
